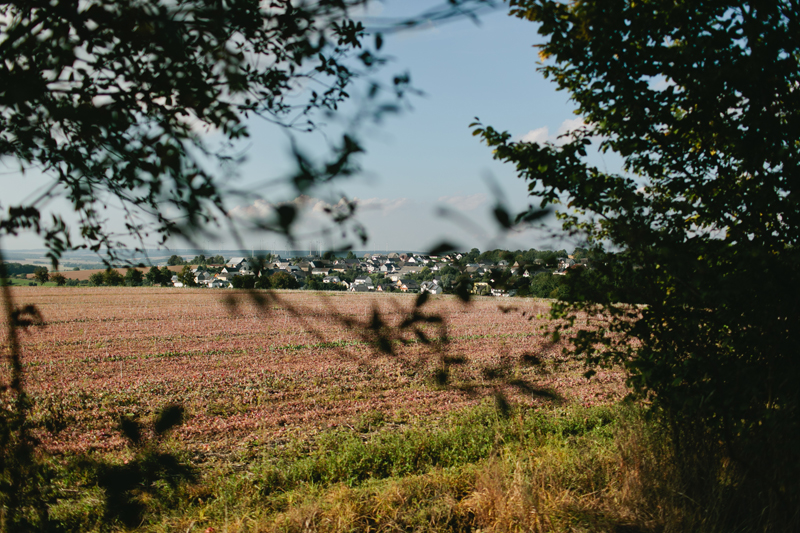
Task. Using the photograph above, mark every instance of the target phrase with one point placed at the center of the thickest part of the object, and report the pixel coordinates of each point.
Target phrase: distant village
(494, 273)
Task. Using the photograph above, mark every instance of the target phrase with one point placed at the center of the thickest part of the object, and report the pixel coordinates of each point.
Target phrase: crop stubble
(256, 373)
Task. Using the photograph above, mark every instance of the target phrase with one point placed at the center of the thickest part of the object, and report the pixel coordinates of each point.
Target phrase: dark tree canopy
(41, 274)
(111, 100)
(702, 102)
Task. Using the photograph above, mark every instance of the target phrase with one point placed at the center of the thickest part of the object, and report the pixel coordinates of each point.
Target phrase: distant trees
(316, 283)
(109, 278)
(244, 282)
(202, 260)
(153, 275)
(186, 276)
(133, 277)
(59, 279)
(41, 274)
(545, 285)
(283, 280)
(175, 260)
(16, 269)
(112, 278)
(166, 276)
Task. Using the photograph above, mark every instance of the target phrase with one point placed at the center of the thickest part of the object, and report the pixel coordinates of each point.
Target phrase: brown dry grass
(252, 373)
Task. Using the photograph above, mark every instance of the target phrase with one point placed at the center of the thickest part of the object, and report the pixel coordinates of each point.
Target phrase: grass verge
(573, 469)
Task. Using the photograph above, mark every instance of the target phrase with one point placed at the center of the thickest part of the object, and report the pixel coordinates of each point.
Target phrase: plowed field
(258, 371)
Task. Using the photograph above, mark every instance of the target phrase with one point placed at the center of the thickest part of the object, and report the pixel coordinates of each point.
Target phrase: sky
(419, 162)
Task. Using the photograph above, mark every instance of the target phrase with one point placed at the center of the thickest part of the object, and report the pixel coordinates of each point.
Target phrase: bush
(112, 278)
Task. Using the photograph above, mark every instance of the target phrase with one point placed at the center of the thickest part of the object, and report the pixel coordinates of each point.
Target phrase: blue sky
(426, 157)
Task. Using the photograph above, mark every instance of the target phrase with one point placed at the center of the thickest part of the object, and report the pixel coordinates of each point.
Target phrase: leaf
(421, 299)
(169, 417)
(531, 215)
(131, 429)
(502, 216)
(442, 248)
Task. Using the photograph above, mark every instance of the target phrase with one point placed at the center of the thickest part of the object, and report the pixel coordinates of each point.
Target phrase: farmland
(287, 394)
(251, 373)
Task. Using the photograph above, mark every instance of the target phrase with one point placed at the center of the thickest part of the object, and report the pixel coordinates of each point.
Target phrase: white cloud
(464, 203)
(384, 205)
(570, 125)
(540, 135)
(260, 209)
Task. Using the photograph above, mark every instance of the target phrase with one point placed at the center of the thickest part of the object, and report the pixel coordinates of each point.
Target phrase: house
(238, 263)
(410, 269)
(331, 279)
(430, 287)
(481, 287)
(408, 285)
(361, 287)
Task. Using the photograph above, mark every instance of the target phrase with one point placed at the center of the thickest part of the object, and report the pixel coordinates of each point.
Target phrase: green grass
(16, 282)
(607, 468)
(269, 485)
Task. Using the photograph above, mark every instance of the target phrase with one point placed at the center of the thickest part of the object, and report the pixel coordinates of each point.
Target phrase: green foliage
(41, 275)
(186, 276)
(347, 457)
(13, 269)
(112, 278)
(133, 277)
(58, 279)
(151, 474)
(153, 275)
(97, 279)
(283, 280)
(166, 276)
(545, 285)
(264, 281)
(175, 260)
(316, 283)
(113, 120)
(244, 282)
(706, 205)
